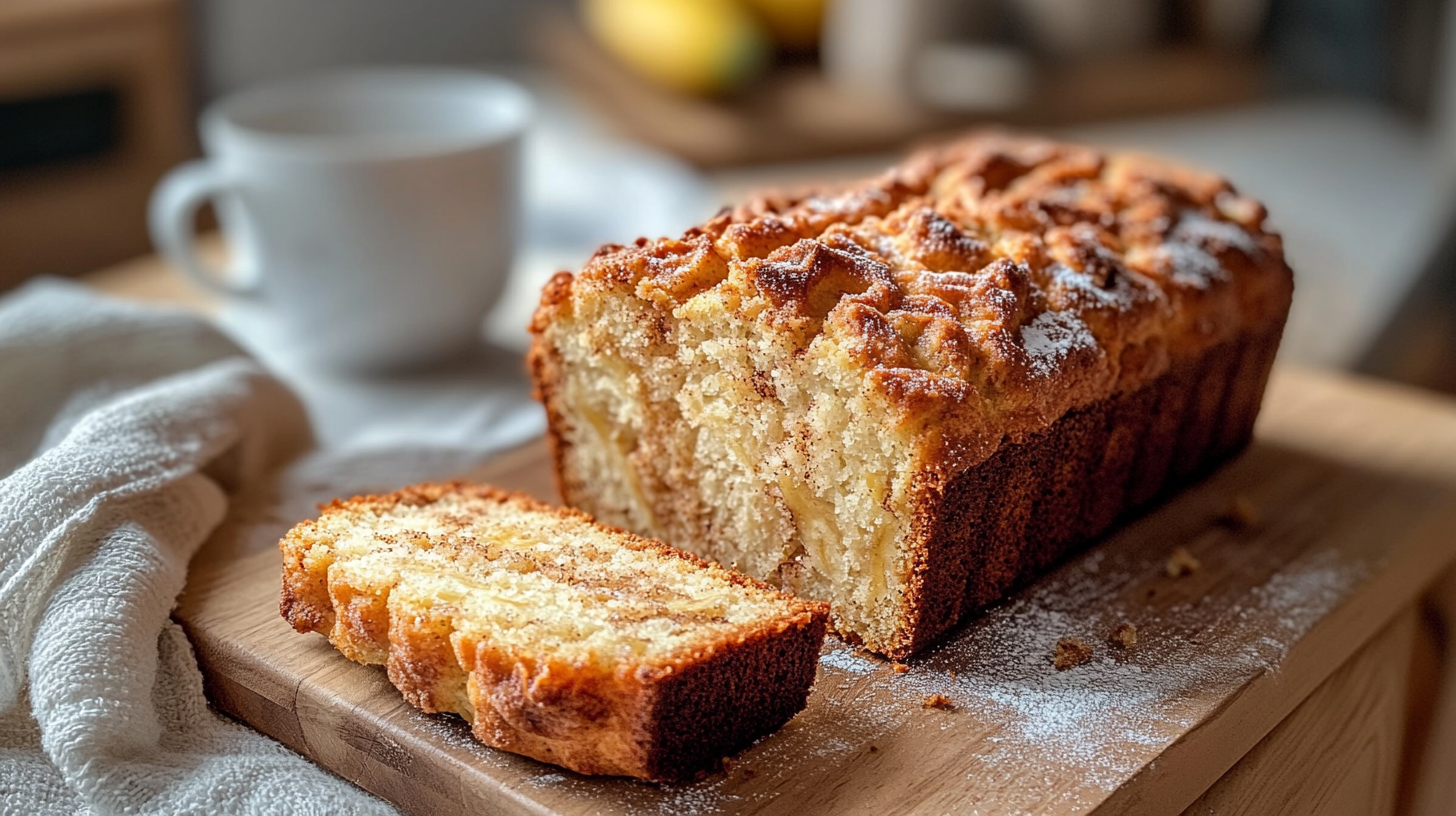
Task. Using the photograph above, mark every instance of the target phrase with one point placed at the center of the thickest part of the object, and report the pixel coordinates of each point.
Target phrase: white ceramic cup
(372, 215)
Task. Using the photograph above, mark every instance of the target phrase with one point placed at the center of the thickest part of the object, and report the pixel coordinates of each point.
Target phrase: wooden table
(1304, 668)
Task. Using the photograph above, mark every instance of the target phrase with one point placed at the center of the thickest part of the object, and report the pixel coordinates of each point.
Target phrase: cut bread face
(557, 637)
(765, 460)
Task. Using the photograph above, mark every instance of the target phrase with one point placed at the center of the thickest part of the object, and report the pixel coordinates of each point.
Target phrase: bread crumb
(1181, 563)
(1124, 636)
(952, 674)
(1241, 514)
(938, 701)
(1070, 652)
(900, 668)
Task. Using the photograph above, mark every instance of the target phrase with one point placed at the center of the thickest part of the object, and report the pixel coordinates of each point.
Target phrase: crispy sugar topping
(998, 258)
(984, 288)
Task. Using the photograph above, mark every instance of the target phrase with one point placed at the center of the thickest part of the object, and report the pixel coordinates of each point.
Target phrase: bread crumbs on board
(1241, 514)
(1070, 653)
(1182, 563)
(1123, 636)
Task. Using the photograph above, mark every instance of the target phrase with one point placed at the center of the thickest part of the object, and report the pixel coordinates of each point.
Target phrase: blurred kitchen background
(1340, 114)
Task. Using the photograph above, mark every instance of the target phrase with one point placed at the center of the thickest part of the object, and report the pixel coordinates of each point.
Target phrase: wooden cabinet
(95, 102)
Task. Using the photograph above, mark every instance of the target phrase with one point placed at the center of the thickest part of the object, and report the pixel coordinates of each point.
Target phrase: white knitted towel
(123, 431)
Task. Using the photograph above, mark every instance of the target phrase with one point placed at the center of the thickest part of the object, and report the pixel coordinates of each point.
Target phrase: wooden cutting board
(1355, 487)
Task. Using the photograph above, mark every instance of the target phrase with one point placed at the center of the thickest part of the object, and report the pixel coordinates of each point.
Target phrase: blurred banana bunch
(702, 46)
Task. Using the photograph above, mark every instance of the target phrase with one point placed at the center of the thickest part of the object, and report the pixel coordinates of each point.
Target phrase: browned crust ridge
(656, 720)
(935, 274)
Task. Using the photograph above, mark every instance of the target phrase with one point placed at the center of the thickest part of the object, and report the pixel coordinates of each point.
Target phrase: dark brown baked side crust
(660, 723)
(998, 525)
(768, 682)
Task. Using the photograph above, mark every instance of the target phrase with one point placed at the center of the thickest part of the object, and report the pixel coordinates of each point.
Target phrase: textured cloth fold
(123, 432)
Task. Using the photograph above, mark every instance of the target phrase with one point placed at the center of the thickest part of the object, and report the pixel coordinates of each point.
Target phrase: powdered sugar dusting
(847, 660)
(1090, 716)
(1080, 288)
(1192, 266)
(1052, 337)
(1026, 727)
(1196, 228)
(1191, 247)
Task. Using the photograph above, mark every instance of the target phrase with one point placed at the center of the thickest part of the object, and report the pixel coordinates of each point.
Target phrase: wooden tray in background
(1356, 485)
(795, 113)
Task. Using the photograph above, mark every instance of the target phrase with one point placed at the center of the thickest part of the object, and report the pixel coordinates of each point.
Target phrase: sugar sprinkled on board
(1136, 698)
(847, 660)
(1102, 719)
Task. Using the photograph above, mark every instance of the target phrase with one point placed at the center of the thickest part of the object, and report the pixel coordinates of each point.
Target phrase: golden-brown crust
(661, 719)
(1014, 276)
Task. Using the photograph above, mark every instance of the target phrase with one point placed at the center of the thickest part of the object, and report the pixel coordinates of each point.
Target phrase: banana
(691, 46)
(795, 24)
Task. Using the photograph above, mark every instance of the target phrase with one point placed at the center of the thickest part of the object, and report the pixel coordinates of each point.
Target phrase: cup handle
(171, 214)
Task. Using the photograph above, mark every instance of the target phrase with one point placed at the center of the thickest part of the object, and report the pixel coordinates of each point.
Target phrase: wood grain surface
(1429, 785)
(1339, 753)
(1355, 486)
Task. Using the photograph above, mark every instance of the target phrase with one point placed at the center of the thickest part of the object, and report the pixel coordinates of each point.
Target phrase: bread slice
(557, 637)
(910, 395)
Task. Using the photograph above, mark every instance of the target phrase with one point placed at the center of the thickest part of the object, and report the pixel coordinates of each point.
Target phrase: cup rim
(221, 118)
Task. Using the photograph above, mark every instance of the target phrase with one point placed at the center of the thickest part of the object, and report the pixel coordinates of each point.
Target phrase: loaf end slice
(556, 637)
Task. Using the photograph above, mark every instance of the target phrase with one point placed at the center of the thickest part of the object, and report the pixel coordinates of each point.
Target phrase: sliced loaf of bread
(556, 637)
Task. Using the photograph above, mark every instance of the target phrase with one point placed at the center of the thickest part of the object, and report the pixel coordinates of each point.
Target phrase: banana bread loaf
(556, 637)
(909, 396)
